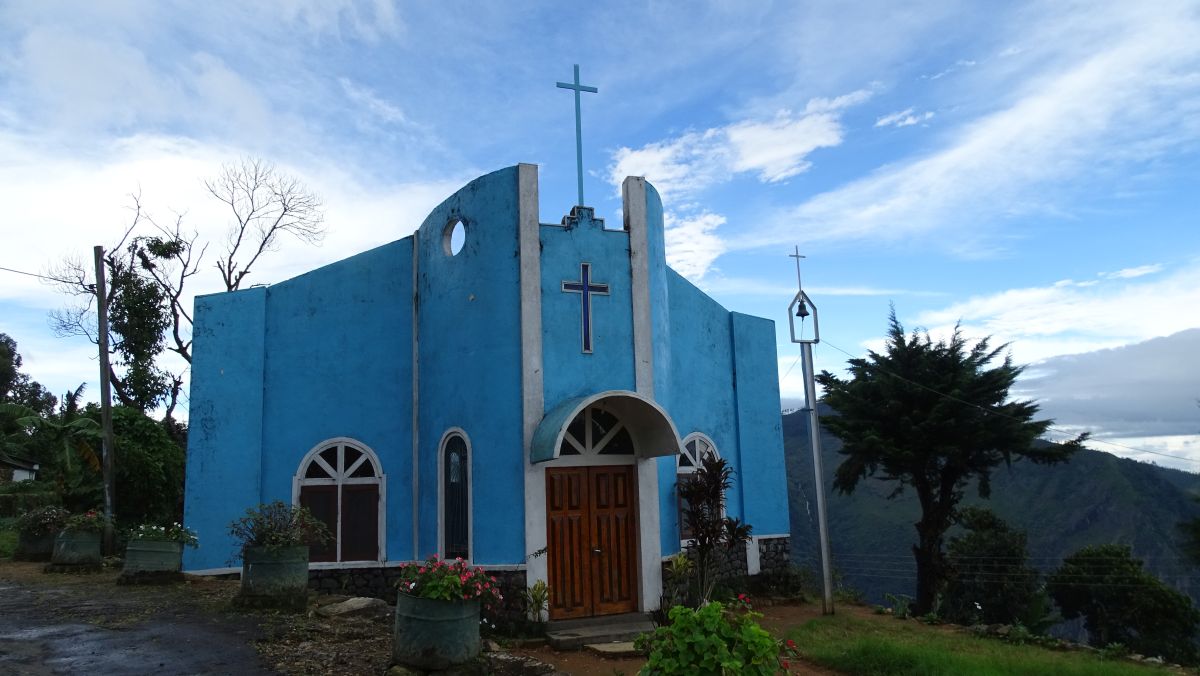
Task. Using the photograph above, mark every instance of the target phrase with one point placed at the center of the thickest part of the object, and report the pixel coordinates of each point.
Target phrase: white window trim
(441, 493)
(368, 454)
(683, 451)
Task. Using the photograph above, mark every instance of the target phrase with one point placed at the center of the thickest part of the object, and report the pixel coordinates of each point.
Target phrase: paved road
(49, 631)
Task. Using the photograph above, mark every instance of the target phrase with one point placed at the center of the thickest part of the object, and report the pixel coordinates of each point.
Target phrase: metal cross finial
(797, 256)
(578, 126)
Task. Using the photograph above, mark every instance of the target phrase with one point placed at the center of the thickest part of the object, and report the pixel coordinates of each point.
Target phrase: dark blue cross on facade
(585, 288)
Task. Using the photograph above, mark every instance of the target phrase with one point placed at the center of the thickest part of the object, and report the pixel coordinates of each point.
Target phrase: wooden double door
(591, 540)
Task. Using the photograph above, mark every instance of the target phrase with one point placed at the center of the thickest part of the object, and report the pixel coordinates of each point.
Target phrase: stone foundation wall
(380, 582)
(774, 554)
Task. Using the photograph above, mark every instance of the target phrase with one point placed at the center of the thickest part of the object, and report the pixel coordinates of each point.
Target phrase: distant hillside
(1095, 498)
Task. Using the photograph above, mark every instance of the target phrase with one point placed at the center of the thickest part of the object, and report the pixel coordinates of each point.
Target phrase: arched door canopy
(653, 432)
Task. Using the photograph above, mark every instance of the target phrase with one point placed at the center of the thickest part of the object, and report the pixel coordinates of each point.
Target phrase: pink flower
(421, 570)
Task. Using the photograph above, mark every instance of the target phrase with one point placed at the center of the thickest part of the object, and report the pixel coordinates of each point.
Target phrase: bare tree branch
(264, 204)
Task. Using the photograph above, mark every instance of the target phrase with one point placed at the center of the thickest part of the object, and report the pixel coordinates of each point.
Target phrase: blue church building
(520, 394)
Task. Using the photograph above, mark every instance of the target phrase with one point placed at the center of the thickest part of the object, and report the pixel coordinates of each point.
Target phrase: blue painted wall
(760, 434)
(702, 385)
(329, 354)
(338, 364)
(470, 362)
(225, 425)
(567, 371)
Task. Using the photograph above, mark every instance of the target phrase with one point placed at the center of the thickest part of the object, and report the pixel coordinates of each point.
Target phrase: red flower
(791, 644)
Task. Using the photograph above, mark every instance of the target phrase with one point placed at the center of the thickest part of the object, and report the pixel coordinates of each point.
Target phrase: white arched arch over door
(342, 482)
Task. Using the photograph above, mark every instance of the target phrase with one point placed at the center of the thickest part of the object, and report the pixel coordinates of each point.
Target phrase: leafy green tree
(1122, 603)
(933, 417)
(989, 580)
(69, 444)
(17, 387)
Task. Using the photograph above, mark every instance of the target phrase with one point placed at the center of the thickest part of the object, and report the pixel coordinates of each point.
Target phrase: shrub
(712, 533)
(44, 521)
(710, 640)
(175, 532)
(90, 521)
(1122, 603)
(277, 525)
(989, 580)
(448, 581)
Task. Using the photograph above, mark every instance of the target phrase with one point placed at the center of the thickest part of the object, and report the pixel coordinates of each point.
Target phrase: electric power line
(32, 274)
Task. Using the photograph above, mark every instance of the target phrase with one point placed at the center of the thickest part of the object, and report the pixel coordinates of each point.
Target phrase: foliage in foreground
(277, 525)
(856, 646)
(933, 417)
(711, 640)
(1123, 603)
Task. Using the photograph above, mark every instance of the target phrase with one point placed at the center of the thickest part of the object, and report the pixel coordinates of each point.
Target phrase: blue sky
(1029, 169)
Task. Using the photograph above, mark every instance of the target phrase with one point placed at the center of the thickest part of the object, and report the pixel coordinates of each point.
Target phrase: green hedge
(16, 504)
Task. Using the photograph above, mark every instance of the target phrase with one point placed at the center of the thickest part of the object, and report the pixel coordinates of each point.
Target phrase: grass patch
(8, 537)
(889, 647)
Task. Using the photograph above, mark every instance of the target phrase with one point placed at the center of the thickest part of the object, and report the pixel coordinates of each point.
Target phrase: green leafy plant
(900, 605)
(1114, 651)
(712, 533)
(277, 525)
(90, 521)
(448, 581)
(44, 521)
(175, 532)
(537, 600)
(710, 640)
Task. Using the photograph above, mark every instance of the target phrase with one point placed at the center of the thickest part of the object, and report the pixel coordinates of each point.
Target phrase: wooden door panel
(614, 539)
(567, 539)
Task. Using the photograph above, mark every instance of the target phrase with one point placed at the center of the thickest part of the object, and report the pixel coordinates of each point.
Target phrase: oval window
(454, 237)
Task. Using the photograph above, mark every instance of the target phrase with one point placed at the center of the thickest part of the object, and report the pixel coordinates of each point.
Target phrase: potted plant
(437, 613)
(35, 533)
(272, 542)
(78, 543)
(157, 551)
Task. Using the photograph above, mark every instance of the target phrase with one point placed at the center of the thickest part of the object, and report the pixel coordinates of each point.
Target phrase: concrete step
(574, 634)
(618, 649)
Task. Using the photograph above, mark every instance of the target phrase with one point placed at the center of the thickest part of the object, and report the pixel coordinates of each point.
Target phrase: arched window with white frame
(697, 448)
(341, 482)
(455, 494)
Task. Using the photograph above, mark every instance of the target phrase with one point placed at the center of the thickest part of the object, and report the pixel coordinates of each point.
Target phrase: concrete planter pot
(34, 547)
(435, 634)
(274, 578)
(152, 556)
(76, 548)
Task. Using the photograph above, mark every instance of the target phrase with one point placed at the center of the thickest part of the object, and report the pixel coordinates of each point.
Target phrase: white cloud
(903, 118)
(1130, 273)
(775, 149)
(692, 243)
(376, 106)
(1115, 93)
(1071, 318)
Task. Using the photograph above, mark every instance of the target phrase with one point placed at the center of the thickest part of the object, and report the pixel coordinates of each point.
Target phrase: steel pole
(814, 436)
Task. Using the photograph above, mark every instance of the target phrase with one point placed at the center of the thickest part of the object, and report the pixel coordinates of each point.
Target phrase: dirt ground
(67, 624)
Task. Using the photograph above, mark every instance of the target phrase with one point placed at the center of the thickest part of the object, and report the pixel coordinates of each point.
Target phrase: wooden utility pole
(105, 400)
